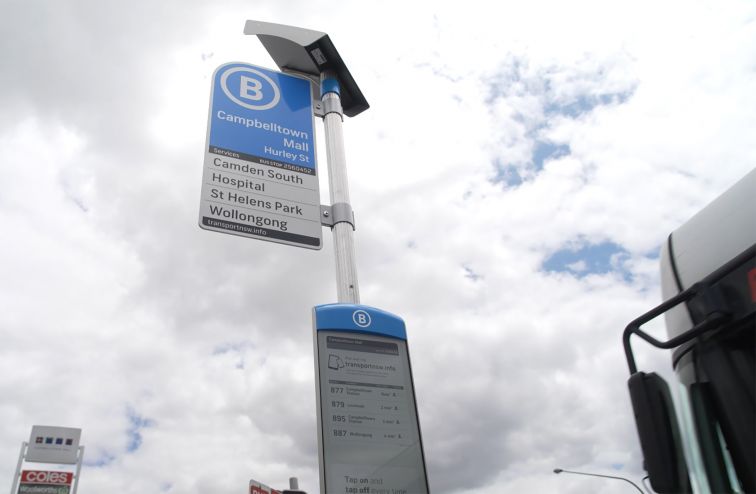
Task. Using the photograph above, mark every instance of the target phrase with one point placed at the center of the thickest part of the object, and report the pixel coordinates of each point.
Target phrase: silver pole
(78, 469)
(14, 484)
(343, 232)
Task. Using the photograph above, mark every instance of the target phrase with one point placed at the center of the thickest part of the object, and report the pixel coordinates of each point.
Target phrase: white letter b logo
(254, 93)
(361, 318)
(250, 88)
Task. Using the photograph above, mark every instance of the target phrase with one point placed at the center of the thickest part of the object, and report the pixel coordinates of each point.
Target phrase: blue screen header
(358, 319)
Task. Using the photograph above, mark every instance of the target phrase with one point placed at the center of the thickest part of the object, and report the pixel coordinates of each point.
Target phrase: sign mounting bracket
(341, 212)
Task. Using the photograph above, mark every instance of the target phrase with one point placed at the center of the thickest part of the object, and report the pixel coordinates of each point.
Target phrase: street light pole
(559, 470)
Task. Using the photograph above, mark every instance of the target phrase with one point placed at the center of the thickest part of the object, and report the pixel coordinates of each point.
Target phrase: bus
(706, 443)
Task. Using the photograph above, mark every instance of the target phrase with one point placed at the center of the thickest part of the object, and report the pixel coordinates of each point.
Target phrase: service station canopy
(308, 52)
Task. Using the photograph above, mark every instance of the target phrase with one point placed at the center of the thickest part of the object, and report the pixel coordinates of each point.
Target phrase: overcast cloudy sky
(513, 180)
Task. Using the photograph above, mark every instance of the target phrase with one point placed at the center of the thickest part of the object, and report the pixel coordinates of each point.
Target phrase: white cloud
(121, 316)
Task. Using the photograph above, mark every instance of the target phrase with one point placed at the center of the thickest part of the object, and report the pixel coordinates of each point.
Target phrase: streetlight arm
(559, 470)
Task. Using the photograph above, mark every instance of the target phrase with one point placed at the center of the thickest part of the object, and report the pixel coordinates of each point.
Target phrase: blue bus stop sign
(368, 429)
(260, 174)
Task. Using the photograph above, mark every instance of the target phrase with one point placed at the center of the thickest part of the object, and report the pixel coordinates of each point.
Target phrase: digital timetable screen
(369, 430)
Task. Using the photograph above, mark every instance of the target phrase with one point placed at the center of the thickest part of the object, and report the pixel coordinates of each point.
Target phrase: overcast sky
(513, 180)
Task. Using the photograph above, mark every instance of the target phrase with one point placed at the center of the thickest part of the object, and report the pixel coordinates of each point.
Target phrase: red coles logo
(44, 477)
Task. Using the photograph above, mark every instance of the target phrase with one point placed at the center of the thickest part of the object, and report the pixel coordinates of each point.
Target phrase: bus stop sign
(260, 175)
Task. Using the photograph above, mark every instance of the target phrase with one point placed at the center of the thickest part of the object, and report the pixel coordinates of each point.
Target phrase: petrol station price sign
(369, 433)
(260, 176)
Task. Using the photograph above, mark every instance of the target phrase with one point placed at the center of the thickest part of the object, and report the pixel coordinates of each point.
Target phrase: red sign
(262, 489)
(46, 477)
(752, 283)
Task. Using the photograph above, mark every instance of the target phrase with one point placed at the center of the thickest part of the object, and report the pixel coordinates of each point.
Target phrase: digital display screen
(369, 430)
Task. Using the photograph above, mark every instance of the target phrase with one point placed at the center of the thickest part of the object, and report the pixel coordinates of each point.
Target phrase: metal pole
(293, 487)
(559, 470)
(78, 469)
(14, 484)
(343, 232)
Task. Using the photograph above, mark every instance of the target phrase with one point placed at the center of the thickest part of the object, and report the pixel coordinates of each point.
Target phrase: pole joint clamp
(341, 212)
(331, 103)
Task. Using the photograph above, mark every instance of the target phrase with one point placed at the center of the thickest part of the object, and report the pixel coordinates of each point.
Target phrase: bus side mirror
(658, 432)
